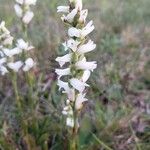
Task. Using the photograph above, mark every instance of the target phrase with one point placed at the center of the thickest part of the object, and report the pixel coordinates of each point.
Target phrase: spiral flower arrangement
(75, 69)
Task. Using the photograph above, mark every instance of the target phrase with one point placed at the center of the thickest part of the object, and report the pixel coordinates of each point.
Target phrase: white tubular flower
(3, 70)
(28, 17)
(87, 29)
(64, 9)
(62, 72)
(74, 32)
(15, 66)
(79, 69)
(5, 38)
(70, 122)
(90, 46)
(29, 63)
(85, 75)
(83, 16)
(79, 101)
(20, 1)
(8, 40)
(22, 9)
(3, 29)
(63, 85)
(70, 17)
(64, 59)
(84, 65)
(11, 52)
(78, 4)
(30, 2)
(78, 85)
(72, 44)
(21, 44)
(2, 61)
(18, 10)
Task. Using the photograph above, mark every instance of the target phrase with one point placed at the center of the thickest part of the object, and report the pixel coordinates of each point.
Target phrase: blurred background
(117, 115)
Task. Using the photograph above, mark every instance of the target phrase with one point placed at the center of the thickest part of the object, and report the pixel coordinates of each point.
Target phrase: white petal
(90, 46)
(15, 66)
(63, 85)
(5, 31)
(78, 85)
(85, 75)
(28, 17)
(79, 101)
(87, 29)
(20, 1)
(12, 52)
(74, 32)
(18, 10)
(30, 2)
(21, 44)
(78, 4)
(8, 40)
(83, 16)
(71, 15)
(2, 61)
(64, 59)
(64, 9)
(29, 63)
(3, 70)
(70, 122)
(62, 72)
(83, 64)
(72, 44)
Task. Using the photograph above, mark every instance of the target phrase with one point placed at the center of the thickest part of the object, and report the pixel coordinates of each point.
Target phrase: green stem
(14, 83)
(73, 142)
(74, 133)
(28, 76)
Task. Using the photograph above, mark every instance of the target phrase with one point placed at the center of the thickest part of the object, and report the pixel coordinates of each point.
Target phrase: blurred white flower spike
(23, 10)
(78, 69)
(8, 61)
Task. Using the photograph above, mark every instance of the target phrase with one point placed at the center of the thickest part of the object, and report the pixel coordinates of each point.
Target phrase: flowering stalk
(9, 63)
(23, 11)
(79, 69)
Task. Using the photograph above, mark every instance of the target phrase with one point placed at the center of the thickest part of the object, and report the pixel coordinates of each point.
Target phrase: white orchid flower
(64, 9)
(70, 17)
(84, 65)
(28, 17)
(64, 59)
(78, 85)
(18, 10)
(62, 72)
(15, 66)
(90, 46)
(79, 101)
(29, 63)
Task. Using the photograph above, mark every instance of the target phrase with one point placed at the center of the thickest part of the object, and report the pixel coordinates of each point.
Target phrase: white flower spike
(79, 69)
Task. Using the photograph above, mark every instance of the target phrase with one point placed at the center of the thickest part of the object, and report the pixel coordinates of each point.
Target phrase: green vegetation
(117, 115)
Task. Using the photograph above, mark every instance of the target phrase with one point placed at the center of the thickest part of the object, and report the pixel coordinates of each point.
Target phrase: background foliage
(117, 115)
